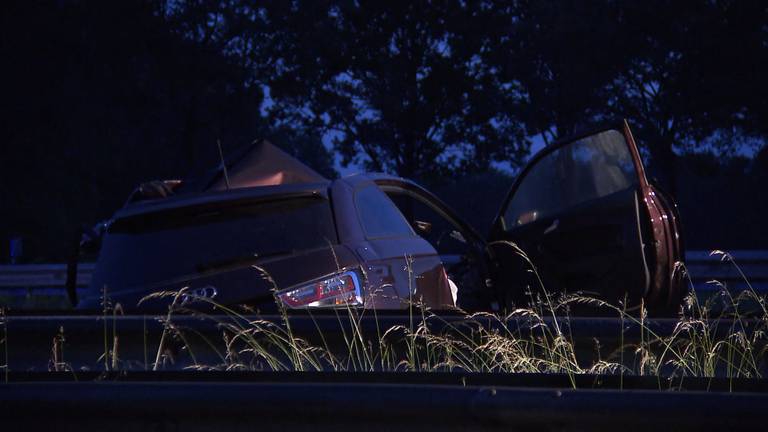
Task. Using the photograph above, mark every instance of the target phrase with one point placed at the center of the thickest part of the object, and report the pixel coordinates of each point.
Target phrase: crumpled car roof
(262, 164)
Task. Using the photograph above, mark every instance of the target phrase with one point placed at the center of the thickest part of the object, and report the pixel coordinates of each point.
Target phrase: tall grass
(533, 339)
(723, 336)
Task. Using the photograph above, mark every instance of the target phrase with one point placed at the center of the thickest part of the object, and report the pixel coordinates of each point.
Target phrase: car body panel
(397, 270)
(246, 284)
(403, 265)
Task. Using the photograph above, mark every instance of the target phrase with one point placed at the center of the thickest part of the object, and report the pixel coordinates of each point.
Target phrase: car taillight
(341, 289)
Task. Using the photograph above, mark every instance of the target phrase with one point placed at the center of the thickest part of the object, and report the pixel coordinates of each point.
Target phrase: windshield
(157, 247)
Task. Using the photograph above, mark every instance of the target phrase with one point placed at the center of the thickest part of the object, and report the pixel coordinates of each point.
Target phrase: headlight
(340, 289)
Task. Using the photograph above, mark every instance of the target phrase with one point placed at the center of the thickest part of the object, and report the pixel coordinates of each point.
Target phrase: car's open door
(588, 219)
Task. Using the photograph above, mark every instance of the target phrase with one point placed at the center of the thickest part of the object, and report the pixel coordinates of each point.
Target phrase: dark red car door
(589, 221)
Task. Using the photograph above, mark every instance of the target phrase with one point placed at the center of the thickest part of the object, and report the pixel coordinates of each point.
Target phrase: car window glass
(378, 215)
(444, 236)
(160, 246)
(587, 169)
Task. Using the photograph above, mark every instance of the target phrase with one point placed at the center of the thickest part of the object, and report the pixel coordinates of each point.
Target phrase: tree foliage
(99, 96)
(405, 88)
(426, 88)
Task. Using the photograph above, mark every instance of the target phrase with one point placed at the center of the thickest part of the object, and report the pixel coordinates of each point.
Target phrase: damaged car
(265, 231)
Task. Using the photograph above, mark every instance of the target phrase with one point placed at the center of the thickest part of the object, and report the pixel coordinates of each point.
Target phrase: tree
(232, 30)
(405, 88)
(693, 77)
(566, 56)
(98, 97)
(688, 75)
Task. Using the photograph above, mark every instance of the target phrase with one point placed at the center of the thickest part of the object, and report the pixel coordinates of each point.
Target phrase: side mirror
(422, 227)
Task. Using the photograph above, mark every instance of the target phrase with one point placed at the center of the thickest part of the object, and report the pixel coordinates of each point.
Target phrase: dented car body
(267, 232)
(327, 243)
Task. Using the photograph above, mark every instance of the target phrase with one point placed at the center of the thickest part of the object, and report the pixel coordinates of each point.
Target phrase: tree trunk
(664, 160)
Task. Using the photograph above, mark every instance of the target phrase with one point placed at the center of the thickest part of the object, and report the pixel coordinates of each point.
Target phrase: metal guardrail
(39, 286)
(41, 276)
(738, 271)
(284, 404)
(748, 267)
(274, 402)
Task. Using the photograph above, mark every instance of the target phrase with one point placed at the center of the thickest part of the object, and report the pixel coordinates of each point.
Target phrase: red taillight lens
(341, 289)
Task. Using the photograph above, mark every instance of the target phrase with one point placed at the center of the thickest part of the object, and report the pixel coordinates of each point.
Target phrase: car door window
(584, 170)
(378, 215)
